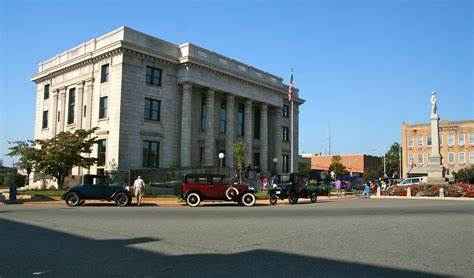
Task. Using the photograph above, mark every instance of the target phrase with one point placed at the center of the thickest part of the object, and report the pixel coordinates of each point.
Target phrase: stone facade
(456, 147)
(198, 91)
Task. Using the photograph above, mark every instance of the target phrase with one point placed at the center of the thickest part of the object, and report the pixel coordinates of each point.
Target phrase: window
(46, 91)
(451, 157)
(461, 139)
(410, 158)
(471, 157)
(419, 140)
(151, 154)
(241, 119)
(153, 76)
(101, 150)
(450, 139)
(223, 118)
(471, 138)
(428, 140)
(410, 141)
(104, 73)
(461, 157)
(45, 119)
(256, 123)
(285, 111)
(256, 160)
(152, 109)
(286, 134)
(72, 104)
(201, 154)
(203, 113)
(285, 163)
(103, 108)
(420, 158)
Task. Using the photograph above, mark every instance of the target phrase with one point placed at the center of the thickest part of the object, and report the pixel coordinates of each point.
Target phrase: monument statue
(434, 105)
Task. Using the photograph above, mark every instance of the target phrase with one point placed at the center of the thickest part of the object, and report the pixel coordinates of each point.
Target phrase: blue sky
(362, 66)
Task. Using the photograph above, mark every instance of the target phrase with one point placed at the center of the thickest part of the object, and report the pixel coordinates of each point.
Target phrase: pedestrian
(139, 189)
(338, 187)
(366, 191)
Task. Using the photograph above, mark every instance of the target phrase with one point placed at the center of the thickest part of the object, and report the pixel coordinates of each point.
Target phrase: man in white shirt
(139, 189)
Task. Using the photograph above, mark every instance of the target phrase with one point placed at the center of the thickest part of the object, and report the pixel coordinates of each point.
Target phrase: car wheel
(231, 193)
(121, 199)
(273, 200)
(313, 198)
(72, 199)
(293, 199)
(248, 199)
(193, 199)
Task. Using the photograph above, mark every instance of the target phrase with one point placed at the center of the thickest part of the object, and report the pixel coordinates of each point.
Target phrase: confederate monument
(435, 168)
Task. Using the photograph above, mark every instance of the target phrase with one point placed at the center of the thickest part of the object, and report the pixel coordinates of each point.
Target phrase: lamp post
(275, 161)
(221, 158)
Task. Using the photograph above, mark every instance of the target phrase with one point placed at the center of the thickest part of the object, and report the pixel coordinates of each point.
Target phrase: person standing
(139, 189)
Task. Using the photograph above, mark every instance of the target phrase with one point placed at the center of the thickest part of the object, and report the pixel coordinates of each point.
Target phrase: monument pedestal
(435, 171)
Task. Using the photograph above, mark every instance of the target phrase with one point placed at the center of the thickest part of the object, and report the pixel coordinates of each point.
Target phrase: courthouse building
(456, 143)
(157, 104)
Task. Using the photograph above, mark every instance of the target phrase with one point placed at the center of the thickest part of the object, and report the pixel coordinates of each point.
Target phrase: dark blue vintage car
(97, 189)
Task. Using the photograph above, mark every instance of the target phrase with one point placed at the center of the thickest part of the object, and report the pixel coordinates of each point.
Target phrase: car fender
(185, 194)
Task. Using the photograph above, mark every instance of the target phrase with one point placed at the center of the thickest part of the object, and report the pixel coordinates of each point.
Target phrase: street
(343, 238)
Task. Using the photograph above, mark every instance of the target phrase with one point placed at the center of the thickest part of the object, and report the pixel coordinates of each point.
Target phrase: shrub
(465, 175)
(13, 178)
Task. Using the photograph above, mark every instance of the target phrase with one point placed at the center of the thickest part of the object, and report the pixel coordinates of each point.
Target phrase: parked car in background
(199, 187)
(97, 188)
(292, 187)
(412, 181)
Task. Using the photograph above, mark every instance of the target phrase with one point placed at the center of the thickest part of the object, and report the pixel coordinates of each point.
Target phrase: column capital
(264, 106)
(187, 86)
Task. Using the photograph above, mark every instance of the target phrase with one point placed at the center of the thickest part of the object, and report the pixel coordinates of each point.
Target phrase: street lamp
(221, 157)
(275, 161)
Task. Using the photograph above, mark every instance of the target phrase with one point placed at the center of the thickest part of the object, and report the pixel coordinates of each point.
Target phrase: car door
(217, 187)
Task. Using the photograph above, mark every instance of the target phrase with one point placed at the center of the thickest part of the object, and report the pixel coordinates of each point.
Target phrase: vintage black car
(96, 188)
(292, 187)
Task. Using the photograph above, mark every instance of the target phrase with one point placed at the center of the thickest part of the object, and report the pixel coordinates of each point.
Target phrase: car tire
(72, 199)
(231, 193)
(193, 199)
(121, 199)
(248, 199)
(313, 198)
(293, 199)
(273, 200)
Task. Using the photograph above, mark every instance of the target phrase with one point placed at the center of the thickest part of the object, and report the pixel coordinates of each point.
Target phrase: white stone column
(210, 140)
(78, 107)
(248, 132)
(230, 131)
(186, 120)
(294, 140)
(53, 117)
(89, 90)
(62, 115)
(278, 139)
(264, 137)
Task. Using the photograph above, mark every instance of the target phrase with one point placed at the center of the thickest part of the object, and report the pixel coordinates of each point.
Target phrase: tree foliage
(239, 158)
(465, 175)
(337, 167)
(392, 161)
(26, 155)
(58, 155)
(304, 166)
(374, 173)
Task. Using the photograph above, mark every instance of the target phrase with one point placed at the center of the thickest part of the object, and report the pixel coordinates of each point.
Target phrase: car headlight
(251, 188)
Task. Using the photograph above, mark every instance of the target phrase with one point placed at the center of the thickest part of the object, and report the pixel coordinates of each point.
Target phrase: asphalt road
(349, 238)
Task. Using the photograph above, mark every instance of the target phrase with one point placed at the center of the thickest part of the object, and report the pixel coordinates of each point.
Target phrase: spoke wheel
(293, 199)
(73, 200)
(193, 199)
(248, 199)
(313, 198)
(121, 199)
(273, 200)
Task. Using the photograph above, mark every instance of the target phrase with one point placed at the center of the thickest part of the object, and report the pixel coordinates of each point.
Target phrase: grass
(45, 192)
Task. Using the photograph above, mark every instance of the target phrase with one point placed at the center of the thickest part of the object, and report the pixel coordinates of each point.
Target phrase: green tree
(239, 158)
(26, 155)
(392, 161)
(465, 175)
(337, 167)
(374, 173)
(304, 166)
(58, 155)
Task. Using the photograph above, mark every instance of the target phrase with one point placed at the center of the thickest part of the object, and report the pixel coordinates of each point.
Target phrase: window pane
(46, 91)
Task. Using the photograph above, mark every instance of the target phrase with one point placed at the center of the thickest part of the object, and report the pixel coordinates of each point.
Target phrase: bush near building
(465, 175)
(430, 190)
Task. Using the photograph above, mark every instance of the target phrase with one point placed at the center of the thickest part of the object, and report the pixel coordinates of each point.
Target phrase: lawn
(48, 193)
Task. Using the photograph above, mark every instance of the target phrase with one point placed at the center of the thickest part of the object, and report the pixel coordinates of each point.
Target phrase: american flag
(291, 93)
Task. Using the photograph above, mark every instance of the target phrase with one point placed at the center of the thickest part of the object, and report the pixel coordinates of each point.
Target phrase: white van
(412, 181)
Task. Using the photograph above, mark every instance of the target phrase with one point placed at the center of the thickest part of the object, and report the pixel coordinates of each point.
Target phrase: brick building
(356, 164)
(456, 140)
(159, 104)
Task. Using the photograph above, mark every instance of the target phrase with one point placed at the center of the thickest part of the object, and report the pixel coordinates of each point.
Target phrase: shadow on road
(110, 204)
(28, 250)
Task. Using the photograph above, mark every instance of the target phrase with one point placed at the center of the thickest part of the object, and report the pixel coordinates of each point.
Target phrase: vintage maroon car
(199, 187)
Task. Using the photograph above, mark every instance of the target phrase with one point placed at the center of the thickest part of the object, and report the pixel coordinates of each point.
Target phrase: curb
(424, 198)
